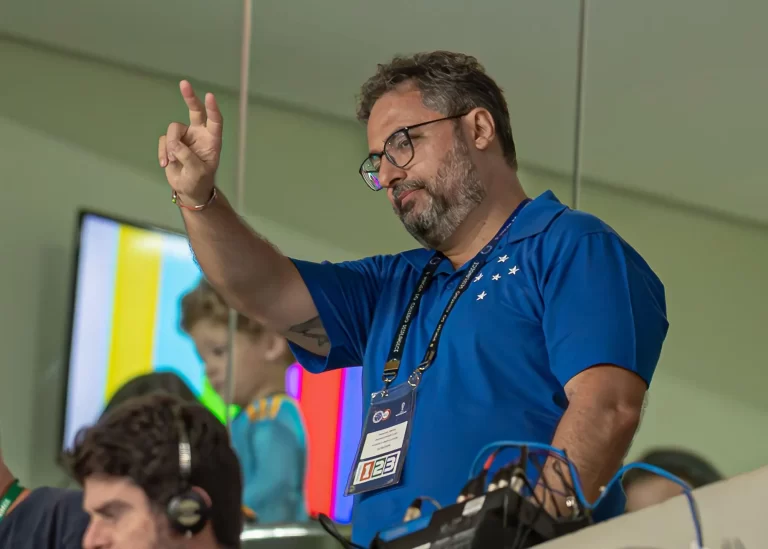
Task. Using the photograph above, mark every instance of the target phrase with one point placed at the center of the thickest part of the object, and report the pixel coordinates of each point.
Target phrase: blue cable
(687, 490)
(579, 493)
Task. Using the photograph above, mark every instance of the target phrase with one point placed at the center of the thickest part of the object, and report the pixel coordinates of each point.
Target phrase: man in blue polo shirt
(517, 319)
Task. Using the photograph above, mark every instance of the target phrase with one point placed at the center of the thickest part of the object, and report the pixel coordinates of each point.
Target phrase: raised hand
(190, 153)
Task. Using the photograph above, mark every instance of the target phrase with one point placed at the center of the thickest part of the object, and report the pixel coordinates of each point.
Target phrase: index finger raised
(197, 114)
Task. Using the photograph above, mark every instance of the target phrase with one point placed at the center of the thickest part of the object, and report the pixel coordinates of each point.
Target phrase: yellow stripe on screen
(137, 282)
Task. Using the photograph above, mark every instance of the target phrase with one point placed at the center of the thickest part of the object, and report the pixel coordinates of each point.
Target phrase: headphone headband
(185, 449)
(187, 511)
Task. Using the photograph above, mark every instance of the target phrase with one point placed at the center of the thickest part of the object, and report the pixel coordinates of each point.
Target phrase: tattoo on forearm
(312, 329)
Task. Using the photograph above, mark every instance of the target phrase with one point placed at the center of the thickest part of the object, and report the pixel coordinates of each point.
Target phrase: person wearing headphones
(53, 517)
(268, 434)
(644, 488)
(159, 473)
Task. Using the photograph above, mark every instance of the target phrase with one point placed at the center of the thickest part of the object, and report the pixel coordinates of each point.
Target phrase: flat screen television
(129, 281)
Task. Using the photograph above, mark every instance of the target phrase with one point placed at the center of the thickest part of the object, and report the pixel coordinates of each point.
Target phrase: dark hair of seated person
(687, 465)
(139, 441)
(50, 517)
(146, 384)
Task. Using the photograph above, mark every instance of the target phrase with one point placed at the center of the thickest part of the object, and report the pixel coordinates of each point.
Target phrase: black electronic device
(501, 519)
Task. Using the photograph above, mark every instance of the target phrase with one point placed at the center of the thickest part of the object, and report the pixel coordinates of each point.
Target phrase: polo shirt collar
(532, 220)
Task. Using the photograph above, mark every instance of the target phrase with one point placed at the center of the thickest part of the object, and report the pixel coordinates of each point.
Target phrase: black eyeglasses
(398, 148)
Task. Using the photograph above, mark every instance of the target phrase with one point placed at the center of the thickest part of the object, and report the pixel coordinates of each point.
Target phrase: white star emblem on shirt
(481, 295)
(496, 277)
(478, 277)
(503, 258)
(513, 270)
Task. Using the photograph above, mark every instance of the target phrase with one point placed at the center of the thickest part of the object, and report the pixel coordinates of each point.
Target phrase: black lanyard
(392, 366)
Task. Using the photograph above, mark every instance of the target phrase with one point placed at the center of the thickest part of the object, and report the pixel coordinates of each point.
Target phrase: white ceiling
(675, 91)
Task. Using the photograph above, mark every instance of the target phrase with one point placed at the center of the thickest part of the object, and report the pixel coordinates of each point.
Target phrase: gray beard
(452, 195)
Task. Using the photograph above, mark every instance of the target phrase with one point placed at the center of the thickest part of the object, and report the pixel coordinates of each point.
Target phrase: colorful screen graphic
(129, 285)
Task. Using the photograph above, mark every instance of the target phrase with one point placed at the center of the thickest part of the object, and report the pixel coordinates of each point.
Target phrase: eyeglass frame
(405, 131)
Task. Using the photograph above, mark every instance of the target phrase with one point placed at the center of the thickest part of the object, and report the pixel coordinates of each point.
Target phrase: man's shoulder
(392, 265)
(572, 225)
(57, 495)
(575, 233)
(48, 517)
(550, 226)
(568, 231)
(64, 505)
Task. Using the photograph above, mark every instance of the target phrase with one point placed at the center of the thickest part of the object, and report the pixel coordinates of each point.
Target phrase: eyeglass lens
(398, 150)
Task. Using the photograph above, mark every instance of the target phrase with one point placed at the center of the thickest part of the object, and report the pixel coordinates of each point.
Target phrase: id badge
(386, 435)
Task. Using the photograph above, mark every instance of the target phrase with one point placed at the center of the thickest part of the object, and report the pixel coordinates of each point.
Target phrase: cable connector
(475, 487)
(512, 475)
(518, 479)
(501, 478)
(414, 511)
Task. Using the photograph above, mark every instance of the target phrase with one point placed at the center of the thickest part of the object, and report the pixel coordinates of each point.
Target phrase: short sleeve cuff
(339, 355)
(565, 373)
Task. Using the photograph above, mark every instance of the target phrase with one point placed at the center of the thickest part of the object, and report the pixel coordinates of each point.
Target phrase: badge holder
(386, 436)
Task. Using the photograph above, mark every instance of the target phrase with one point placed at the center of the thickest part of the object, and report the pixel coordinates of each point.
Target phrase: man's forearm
(596, 439)
(240, 264)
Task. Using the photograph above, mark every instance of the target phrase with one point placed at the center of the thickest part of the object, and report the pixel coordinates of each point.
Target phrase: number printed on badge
(372, 469)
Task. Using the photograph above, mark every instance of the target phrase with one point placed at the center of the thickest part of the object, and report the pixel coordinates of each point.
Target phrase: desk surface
(731, 509)
(288, 536)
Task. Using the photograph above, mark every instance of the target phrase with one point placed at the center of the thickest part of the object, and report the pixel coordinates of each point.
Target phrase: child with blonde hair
(268, 435)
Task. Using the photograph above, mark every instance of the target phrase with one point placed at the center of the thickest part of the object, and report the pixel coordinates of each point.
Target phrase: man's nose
(93, 539)
(389, 174)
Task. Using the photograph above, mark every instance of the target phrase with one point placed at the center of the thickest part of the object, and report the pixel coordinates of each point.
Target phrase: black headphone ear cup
(188, 513)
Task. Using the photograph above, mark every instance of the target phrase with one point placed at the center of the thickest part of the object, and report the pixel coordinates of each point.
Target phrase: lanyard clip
(427, 362)
(391, 369)
(414, 379)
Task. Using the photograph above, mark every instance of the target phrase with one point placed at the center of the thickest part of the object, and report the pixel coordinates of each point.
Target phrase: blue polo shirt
(560, 293)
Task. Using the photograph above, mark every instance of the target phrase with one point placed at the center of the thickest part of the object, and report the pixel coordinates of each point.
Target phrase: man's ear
(482, 128)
